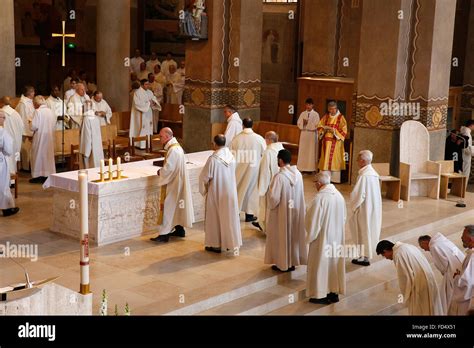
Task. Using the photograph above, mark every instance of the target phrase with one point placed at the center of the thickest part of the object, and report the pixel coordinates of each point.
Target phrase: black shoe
(161, 239)
(12, 186)
(10, 212)
(324, 301)
(333, 297)
(38, 180)
(256, 224)
(178, 232)
(250, 218)
(291, 269)
(361, 263)
(213, 250)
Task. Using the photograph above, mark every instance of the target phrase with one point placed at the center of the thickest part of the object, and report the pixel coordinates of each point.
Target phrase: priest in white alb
(141, 118)
(308, 146)
(43, 127)
(15, 128)
(101, 108)
(7, 202)
(175, 83)
(217, 184)
(90, 145)
(26, 110)
(55, 103)
(448, 259)
(324, 223)
(176, 204)
(267, 170)
(365, 221)
(75, 105)
(286, 246)
(234, 124)
(415, 277)
(247, 148)
(152, 62)
(462, 302)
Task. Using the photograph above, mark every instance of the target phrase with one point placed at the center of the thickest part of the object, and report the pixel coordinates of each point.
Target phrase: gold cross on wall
(64, 36)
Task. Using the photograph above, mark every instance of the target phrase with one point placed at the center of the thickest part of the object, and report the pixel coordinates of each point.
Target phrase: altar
(118, 210)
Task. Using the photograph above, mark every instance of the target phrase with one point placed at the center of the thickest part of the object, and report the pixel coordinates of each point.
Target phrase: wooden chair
(122, 147)
(389, 183)
(107, 149)
(74, 158)
(146, 154)
(458, 181)
(419, 176)
(14, 177)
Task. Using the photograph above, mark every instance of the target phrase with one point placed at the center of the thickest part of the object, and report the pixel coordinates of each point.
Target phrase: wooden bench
(458, 181)
(392, 184)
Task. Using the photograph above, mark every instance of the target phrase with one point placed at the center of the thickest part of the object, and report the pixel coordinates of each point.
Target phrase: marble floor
(158, 279)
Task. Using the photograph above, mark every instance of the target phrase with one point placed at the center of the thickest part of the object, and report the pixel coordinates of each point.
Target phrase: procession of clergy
(251, 174)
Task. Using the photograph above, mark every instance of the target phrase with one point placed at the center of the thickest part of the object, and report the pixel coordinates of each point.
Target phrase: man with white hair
(175, 84)
(365, 205)
(325, 220)
(447, 258)
(462, 302)
(234, 124)
(14, 127)
(26, 110)
(176, 203)
(268, 169)
(7, 203)
(101, 108)
(43, 127)
(285, 246)
(75, 105)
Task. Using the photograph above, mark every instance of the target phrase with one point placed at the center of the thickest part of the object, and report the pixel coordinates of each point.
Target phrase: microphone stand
(460, 203)
(28, 285)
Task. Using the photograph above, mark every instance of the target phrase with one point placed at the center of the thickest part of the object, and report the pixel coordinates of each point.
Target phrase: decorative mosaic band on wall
(467, 97)
(389, 114)
(218, 97)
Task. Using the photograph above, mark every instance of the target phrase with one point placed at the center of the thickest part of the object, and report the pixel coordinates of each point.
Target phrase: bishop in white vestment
(415, 277)
(286, 246)
(308, 146)
(43, 127)
(217, 184)
(462, 302)
(448, 259)
(176, 203)
(234, 124)
(366, 209)
(325, 220)
(247, 148)
(15, 128)
(267, 170)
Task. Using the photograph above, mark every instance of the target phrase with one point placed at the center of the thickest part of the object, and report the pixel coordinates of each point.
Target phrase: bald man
(176, 204)
(15, 128)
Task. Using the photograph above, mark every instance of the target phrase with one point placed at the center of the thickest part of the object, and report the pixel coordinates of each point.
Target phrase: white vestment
(104, 107)
(90, 147)
(286, 243)
(69, 93)
(157, 90)
(141, 119)
(26, 110)
(175, 91)
(463, 295)
(267, 170)
(467, 153)
(416, 280)
(248, 148)
(234, 127)
(365, 221)
(42, 150)
(135, 63)
(165, 66)
(142, 75)
(15, 128)
(150, 65)
(75, 109)
(308, 147)
(174, 180)
(56, 105)
(447, 258)
(217, 184)
(6, 150)
(324, 223)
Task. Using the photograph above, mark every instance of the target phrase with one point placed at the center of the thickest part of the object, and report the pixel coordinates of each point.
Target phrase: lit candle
(84, 226)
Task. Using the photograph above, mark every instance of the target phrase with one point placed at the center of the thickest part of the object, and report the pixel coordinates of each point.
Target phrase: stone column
(113, 47)
(225, 69)
(467, 103)
(7, 49)
(405, 65)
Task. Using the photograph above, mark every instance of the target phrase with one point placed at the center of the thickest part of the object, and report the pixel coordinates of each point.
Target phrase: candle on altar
(102, 166)
(110, 164)
(119, 162)
(84, 226)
